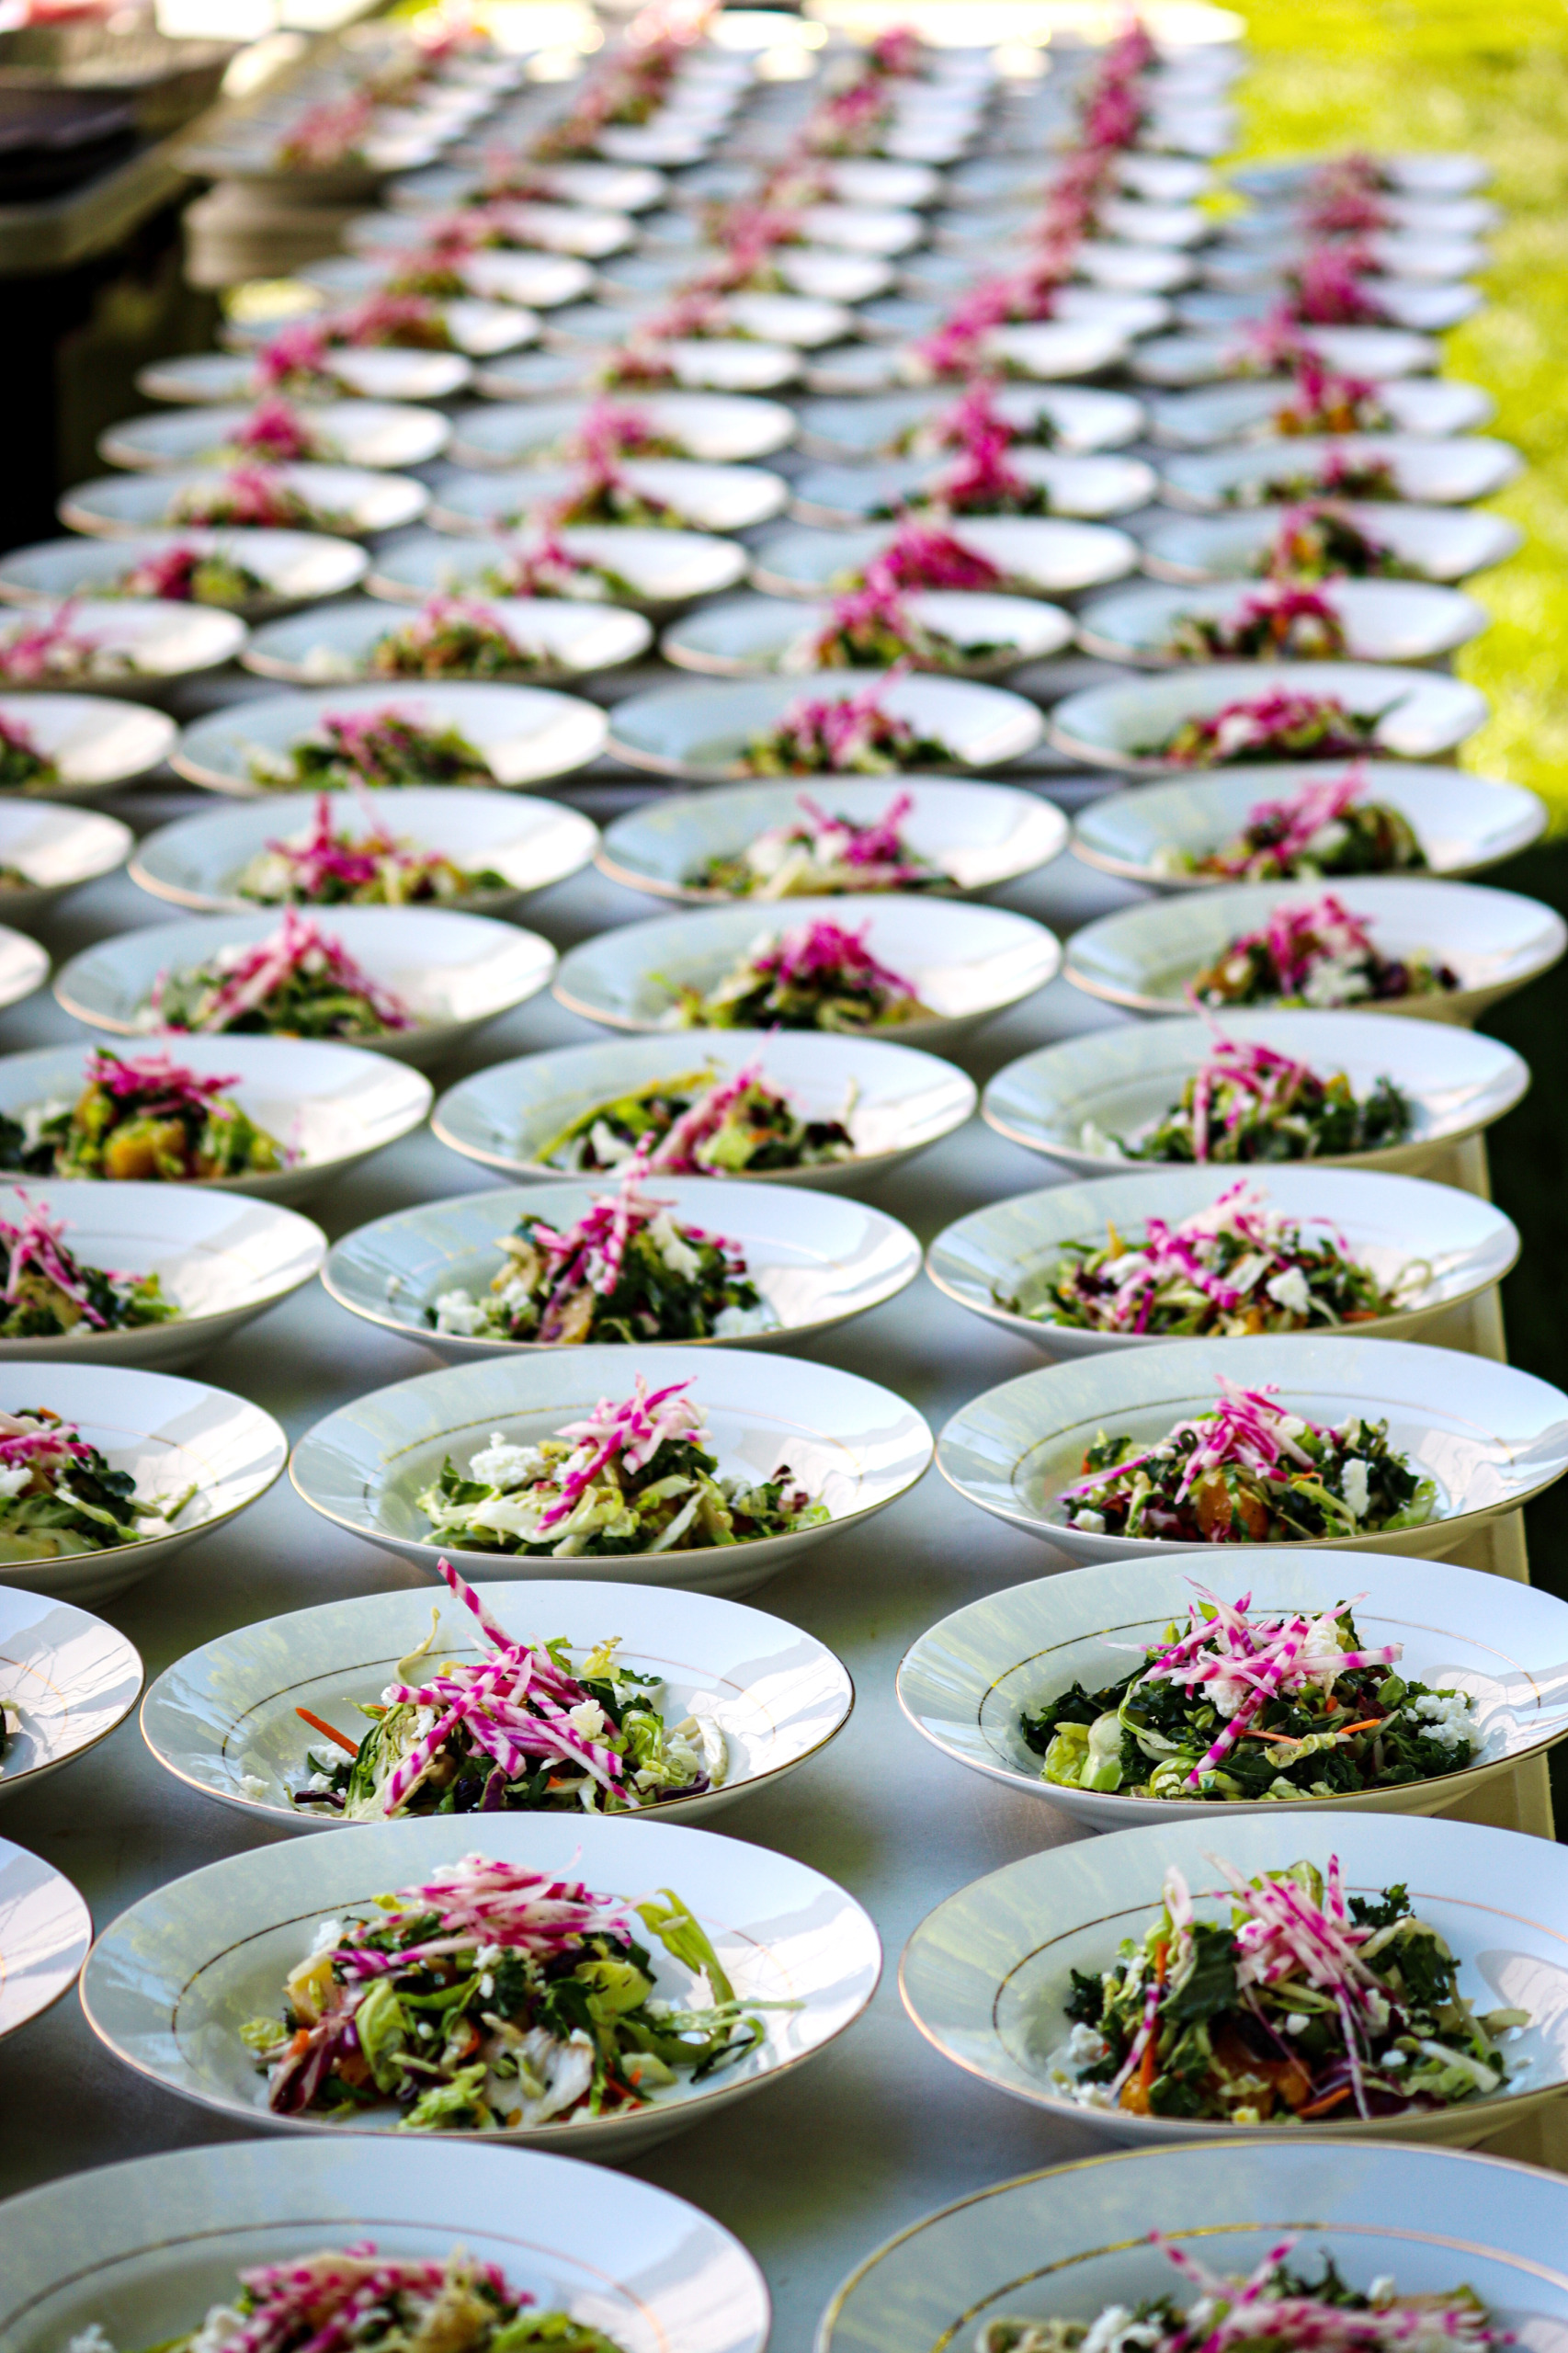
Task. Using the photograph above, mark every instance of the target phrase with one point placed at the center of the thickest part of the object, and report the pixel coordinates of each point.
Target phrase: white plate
(328, 1106)
(612, 187)
(524, 734)
(95, 741)
(1057, 349)
(221, 1261)
(752, 635)
(831, 272)
(1434, 542)
(1211, 357)
(1145, 957)
(555, 638)
(1400, 302)
(1040, 556)
(895, 1100)
(169, 1434)
(964, 961)
(1433, 473)
(583, 229)
(24, 966)
(816, 1263)
(376, 373)
(988, 1989)
(796, 322)
(170, 1982)
(1402, 2210)
(534, 843)
(66, 1677)
(1428, 406)
(719, 428)
(351, 433)
(705, 498)
(477, 330)
(1089, 489)
(1389, 1224)
(701, 732)
(1382, 620)
(1458, 1081)
(1012, 213)
(720, 364)
(58, 850)
(616, 2253)
(453, 971)
(348, 499)
(965, 1683)
(159, 641)
(224, 1715)
(981, 835)
(882, 229)
(45, 1930)
(660, 568)
(1408, 216)
(531, 281)
(852, 1445)
(1126, 269)
(295, 565)
(1420, 715)
(1439, 174)
(1463, 822)
(1080, 417)
(1265, 261)
(1491, 1436)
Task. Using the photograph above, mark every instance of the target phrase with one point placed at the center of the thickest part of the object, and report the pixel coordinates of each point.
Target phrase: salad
(522, 1729)
(814, 853)
(187, 576)
(820, 977)
(1274, 2308)
(1280, 623)
(141, 1119)
(454, 637)
(46, 1291)
(1279, 725)
(493, 1999)
(275, 434)
(1335, 475)
(696, 1124)
(1327, 288)
(1325, 828)
(1248, 1103)
(604, 492)
(1226, 1272)
(871, 628)
(294, 984)
(1305, 2005)
(254, 496)
(1319, 955)
(59, 1497)
(1330, 1716)
(1320, 402)
(920, 556)
(318, 867)
(343, 2296)
(1248, 1473)
(301, 355)
(626, 1271)
(851, 736)
(375, 747)
(548, 567)
(23, 768)
(637, 1477)
(1322, 542)
(328, 137)
(52, 653)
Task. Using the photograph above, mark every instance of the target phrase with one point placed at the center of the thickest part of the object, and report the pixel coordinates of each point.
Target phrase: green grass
(1494, 81)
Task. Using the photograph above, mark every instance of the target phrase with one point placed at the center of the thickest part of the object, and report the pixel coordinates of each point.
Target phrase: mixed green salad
(1249, 1473)
(320, 868)
(820, 977)
(495, 1999)
(140, 1120)
(817, 853)
(258, 498)
(1319, 955)
(452, 637)
(187, 576)
(872, 628)
(46, 1291)
(695, 1123)
(375, 748)
(1325, 828)
(1324, 541)
(851, 736)
(1243, 1706)
(523, 1728)
(1308, 2004)
(294, 984)
(23, 768)
(1283, 622)
(639, 1476)
(1279, 725)
(1245, 1102)
(59, 1497)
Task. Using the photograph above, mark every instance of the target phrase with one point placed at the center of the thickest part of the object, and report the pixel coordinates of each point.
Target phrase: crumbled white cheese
(459, 1312)
(1447, 1719)
(1091, 1522)
(1290, 1289)
(732, 1323)
(1353, 1486)
(506, 1465)
(251, 1785)
(14, 1480)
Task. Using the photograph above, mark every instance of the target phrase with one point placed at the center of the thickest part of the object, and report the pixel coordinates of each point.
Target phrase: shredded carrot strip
(319, 1723)
(1330, 2099)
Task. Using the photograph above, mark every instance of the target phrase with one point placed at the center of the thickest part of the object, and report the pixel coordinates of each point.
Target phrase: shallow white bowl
(556, 639)
(534, 843)
(1038, 556)
(69, 1679)
(352, 433)
(96, 741)
(1403, 302)
(1145, 957)
(225, 1715)
(1076, 2239)
(221, 1260)
(524, 733)
(965, 961)
(895, 1100)
(716, 427)
(702, 497)
(965, 1684)
(329, 1106)
(1464, 822)
(161, 643)
(855, 1445)
(1420, 715)
(1061, 349)
(1491, 1436)
(169, 1984)
(1433, 473)
(24, 966)
(701, 732)
(376, 373)
(477, 329)
(622, 187)
(715, 365)
(1439, 174)
(296, 565)
(1458, 1243)
(583, 230)
(1430, 407)
(1382, 620)
(169, 1434)
(1213, 356)
(615, 2252)
(1087, 489)
(660, 568)
(58, 850)
(45, 1930)
(979, 834)
(749, 636)
(816, 1263)
(122, 507)
(1434, 542)
(1079, 417)
(986, 1988)
(453, 971)
(531, 281)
